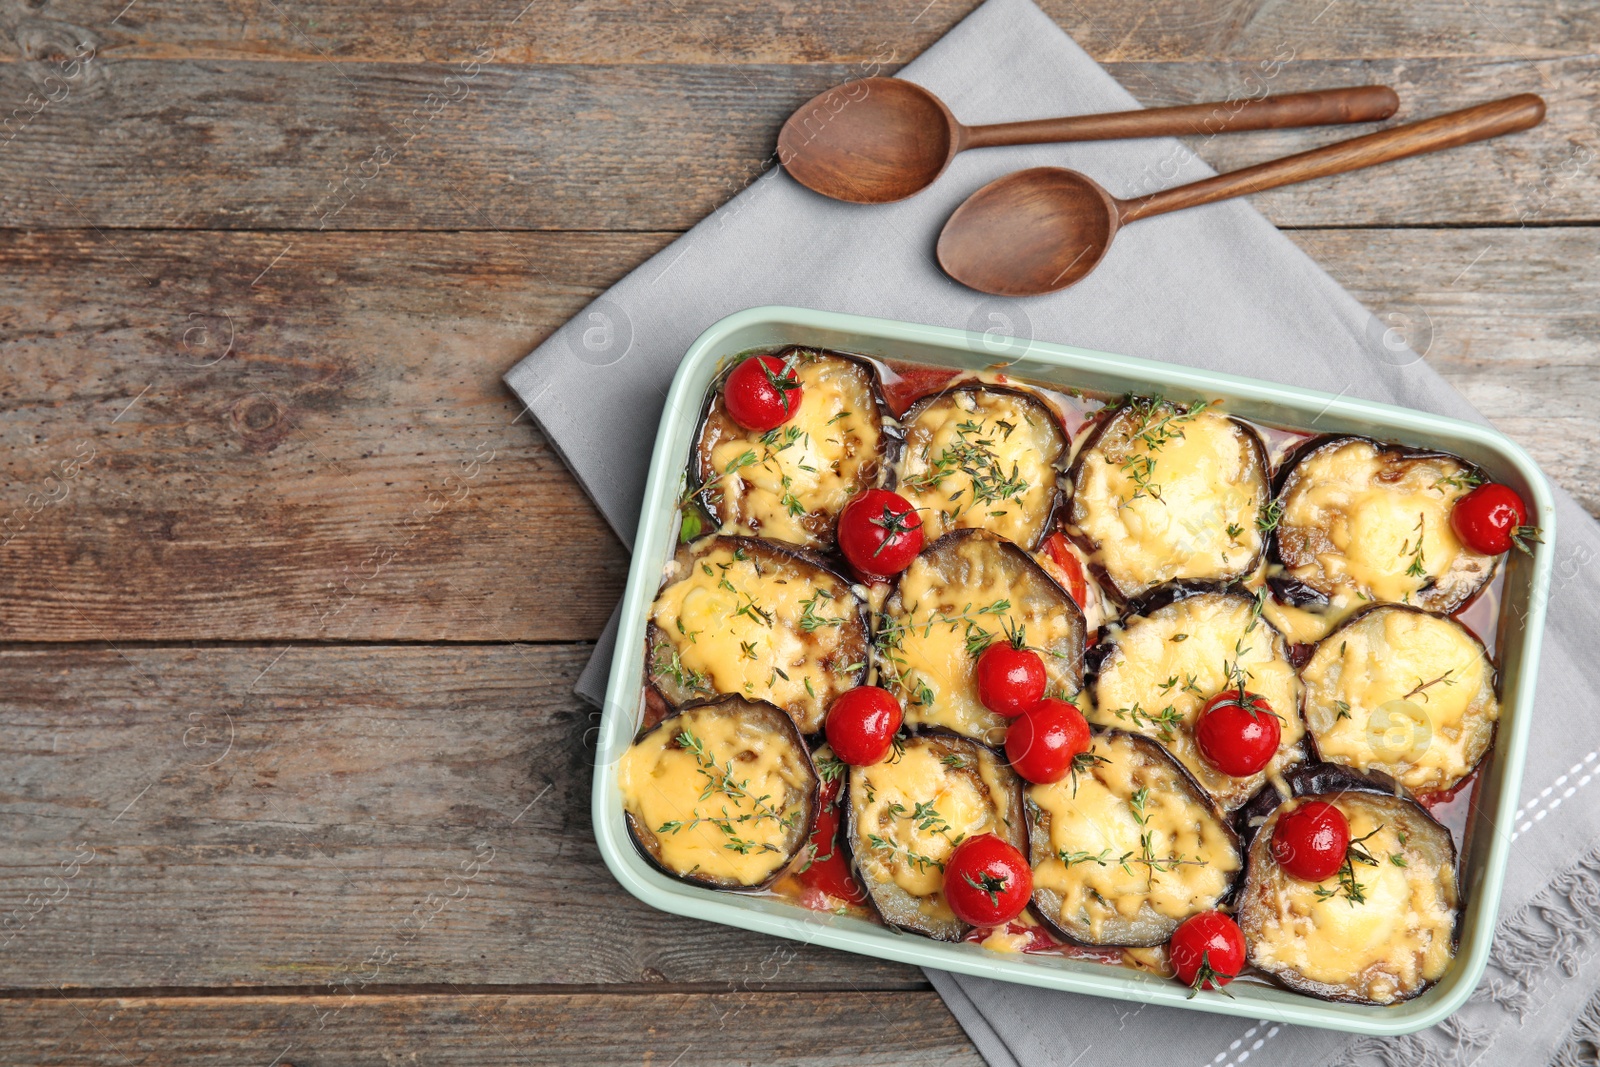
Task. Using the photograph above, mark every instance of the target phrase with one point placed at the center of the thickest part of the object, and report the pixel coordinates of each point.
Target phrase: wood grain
(330, 817)
(291, 436)
(569, 1030)
(254, 499)
(734, 31)
(305, 146)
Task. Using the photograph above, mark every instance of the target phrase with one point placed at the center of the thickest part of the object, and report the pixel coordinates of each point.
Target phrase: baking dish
(1520, 624)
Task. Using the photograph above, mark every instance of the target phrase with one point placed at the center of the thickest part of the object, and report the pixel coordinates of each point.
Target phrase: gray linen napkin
(1217, 287)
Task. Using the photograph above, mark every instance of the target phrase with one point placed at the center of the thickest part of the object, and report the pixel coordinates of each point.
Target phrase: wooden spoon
(877, 140)
(1040, 230)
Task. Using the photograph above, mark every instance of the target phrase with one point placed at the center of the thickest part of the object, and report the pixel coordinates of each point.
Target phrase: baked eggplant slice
(1381, 930)
(790, 484)
(908, 813)
(1405, 692)
(721, 794)
(1362, 521)
(760, 620)
(1126, 849)
(983, 457)
(1179, 648)
(1162, 491)
(965, 590)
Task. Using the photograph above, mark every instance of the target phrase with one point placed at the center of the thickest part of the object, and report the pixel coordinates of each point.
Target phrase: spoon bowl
(872, 141)
(1051, 224)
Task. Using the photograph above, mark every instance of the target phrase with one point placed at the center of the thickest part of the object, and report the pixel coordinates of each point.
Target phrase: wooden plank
(308, 146)
(331, 817)
(199, 516)
(1508, 316)
(735, 31)
(568, 1030)
(292, 436)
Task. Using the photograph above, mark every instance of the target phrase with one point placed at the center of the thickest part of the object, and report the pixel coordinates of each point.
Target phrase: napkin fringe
(1557, 928)
(1582, 1046)
(1467, 1043)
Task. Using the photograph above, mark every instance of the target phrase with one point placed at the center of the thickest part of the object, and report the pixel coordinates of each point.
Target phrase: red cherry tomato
(1493, 519)
(829, 871)
(762, 393)
(986, 881)
(1011, 680)
(861, 725)
(1310, 841)
(1207, 950)
(1043, 743)
(1237, 736)
(880, 533)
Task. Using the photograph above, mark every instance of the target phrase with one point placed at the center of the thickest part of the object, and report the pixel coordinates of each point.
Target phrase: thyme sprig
(973, 453)
(1348, 883)
(1158, 425)
(720, 780)
(1417, 568)
(1422, 687)
(1152, 863)
(809, 618)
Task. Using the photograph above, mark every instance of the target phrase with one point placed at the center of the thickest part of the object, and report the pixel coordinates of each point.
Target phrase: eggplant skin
(990, 418)
(1282, 917)
(709, 656)
(1187, 536)
(760, 728)
(1151, 682)
(1163, 777)
(954, 763)
(1405, 484)
(968, 584)
(1448, 728)
(737, 472)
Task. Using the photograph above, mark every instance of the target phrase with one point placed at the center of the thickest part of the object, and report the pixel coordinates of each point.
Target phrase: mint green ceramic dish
(1521, 624)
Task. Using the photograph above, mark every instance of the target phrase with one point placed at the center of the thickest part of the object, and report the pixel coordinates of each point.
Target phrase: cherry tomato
(861, 725)
(880, 533)
(1237, 736)
(1310, 841)
(986, 881)
(1044, 742)
(1493, 519)
(762, 393)
(1011, 680)
(829, 871)
(1071, 568)
(1207, 950)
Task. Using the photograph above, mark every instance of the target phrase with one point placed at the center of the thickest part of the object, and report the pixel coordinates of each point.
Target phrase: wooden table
(293, 599)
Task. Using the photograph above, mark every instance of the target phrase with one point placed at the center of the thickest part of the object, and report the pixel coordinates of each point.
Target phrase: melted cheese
(1369, 707)
(1187, 509)
(1013, 444)
(1152, 669)
(792, 483)
(887, 795)
(1384, 948)
(1096, 823)
(740, 626)
(663, 785)
(1355, 519)
(930, 664)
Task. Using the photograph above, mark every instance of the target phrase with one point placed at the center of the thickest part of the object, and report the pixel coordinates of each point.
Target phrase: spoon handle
(1478, 123)
(1361, 103)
